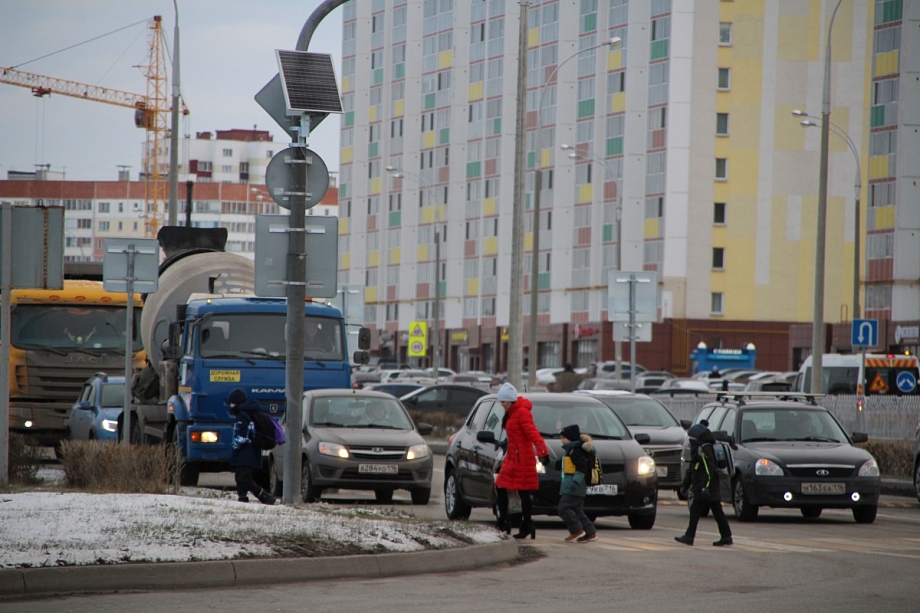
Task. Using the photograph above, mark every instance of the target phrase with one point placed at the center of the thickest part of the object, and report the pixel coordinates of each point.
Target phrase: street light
(436, 344)
(817, 332)
(538, 187)
(858, 186)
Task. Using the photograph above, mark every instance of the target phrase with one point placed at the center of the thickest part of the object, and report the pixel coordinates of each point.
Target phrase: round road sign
(279, 176)
(417, 347)
(906, 381)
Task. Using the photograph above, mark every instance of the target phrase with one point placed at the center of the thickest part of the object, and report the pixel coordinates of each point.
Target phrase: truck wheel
(188, 475)
(136, 433)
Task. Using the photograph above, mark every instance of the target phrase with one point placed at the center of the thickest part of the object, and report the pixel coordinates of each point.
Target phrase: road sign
(646, 295)
(279, 179)
(418, 339)
(879, 385)
(322, 245)
(864, 333)
(621, 332)
(906, 382)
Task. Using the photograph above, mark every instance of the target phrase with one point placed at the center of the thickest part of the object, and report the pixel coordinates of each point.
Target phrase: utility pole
(173, 208)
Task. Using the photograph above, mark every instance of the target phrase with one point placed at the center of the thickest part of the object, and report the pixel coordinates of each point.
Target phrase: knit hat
(237, 396)
(507, 393)
(573, 433)
(697, 430)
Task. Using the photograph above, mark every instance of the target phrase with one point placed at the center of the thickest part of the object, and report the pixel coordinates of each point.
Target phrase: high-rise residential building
(682, 157)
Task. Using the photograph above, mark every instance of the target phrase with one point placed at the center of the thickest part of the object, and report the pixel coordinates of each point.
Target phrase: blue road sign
(906, 382)
(864, 333)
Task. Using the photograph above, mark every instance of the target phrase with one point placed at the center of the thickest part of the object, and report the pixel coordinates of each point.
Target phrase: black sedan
(358, 440)
(786, 453)
(629, 486)
(645, 415)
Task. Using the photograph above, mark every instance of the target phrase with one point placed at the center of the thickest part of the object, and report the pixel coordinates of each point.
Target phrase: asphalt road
(781, 562)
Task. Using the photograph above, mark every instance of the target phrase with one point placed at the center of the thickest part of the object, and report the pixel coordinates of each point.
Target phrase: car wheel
(744, 510)
(385, 496)
(453, 501)
(811, 512)
(136, 433)
(865, 514)
(308, 491)
(917, 479)
(275, 485)
(641, 522)
(704, 512)
(421, 495)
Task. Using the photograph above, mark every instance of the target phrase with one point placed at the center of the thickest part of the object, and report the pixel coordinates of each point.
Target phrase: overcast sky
(226, 57)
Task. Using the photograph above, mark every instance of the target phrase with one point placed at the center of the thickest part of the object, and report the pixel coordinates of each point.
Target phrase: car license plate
(602, 490)
(823, 488)
(387, 469)
(662, 471)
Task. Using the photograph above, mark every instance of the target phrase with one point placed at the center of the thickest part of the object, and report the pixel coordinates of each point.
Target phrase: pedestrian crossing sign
(878, 384)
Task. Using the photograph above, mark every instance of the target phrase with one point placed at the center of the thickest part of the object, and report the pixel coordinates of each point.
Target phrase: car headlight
(646, 466)
(766, 468)
(333, 449)
(109, 425)
(869, 469)
(417, 452)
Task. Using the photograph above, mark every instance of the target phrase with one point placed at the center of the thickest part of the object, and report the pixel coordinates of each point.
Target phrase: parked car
(768, 384)
(790, 453)
(443, 374)
(684, 386)
(629, 485)
(652, 380)
(605, 384)
(358, 440)
(608, 369)
(444, 397)
(394, 388)
(95, 414)
(644, 415)
(362, 379)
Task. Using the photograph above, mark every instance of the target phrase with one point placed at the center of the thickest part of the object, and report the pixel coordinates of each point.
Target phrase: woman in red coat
(519, 468)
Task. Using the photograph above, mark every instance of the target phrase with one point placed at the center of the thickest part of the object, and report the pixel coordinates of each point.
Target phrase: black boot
(266, 498)
(527, 529)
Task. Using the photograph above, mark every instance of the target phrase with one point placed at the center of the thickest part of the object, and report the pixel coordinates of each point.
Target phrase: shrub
(25, 458)
(106, 467)
(895, 458)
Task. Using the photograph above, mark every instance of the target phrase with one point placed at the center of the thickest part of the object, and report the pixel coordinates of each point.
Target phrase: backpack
(265, 428)
(596, 474)
(718, 451)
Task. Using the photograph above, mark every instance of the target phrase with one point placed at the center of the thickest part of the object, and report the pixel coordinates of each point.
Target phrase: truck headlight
(204, 436)
(646, 466)
(333, 449)
(109, 425)
(869, 469)
(417, 452)
(767, 468)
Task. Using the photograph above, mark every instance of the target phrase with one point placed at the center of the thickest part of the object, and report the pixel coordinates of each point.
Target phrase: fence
(883, 417)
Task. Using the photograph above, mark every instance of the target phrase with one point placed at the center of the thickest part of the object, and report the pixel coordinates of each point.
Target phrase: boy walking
(245, 457)
(576, 466)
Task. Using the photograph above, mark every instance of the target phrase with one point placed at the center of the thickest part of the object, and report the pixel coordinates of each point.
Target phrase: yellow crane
(150, 113)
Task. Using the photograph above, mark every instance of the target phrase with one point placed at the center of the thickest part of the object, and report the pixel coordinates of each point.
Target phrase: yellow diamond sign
(418, 339)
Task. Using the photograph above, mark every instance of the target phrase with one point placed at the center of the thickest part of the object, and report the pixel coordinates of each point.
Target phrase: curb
(234, 573)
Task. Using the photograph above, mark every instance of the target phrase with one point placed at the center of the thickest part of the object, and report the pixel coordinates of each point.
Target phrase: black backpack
(718, 452)
(265, 430)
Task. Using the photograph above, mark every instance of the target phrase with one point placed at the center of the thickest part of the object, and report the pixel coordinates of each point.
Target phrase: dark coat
(566, 381)
(519, 468)
(702, 473)
(244, 452)
(575, 465)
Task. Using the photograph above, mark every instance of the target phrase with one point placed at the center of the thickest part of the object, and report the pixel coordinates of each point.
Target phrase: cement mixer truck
(205, 334)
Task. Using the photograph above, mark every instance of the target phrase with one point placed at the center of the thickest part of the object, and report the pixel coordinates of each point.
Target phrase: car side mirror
(424, 429)
(485, 436)
(721, 436)
(84, 404)
(642, 438)
(685, 424)
(859, 437)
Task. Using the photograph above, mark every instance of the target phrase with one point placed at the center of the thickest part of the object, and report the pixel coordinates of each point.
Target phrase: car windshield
(758, 425)
(636, 411)
(596, 419)
(113, 395)
(358, 412)
(73, 327)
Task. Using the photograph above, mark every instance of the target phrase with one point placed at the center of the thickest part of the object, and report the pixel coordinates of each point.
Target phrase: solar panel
(309, 82)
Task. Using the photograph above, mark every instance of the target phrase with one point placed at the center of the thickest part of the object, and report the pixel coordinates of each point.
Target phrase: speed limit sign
(417, 347)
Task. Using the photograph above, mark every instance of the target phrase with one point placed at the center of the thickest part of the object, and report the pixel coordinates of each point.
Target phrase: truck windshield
(70, 327)
(261, 336)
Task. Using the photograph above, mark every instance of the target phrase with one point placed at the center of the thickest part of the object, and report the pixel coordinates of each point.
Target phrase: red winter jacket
(519, 469)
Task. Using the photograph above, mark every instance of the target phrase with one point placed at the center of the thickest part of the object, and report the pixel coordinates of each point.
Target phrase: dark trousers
(715, 507)
(245, 483)
(572, 512)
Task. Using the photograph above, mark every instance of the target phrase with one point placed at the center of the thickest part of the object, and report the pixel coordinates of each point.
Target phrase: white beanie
(507, 393)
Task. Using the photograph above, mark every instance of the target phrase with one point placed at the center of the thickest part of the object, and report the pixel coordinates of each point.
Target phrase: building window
(717, 303)
(103, 226)
(718, 258)
(228, 153)
(718, 213)
(721, 169)
(725, 34)
(725, 78)
(104, 207)
(721, 124)
(226, 168)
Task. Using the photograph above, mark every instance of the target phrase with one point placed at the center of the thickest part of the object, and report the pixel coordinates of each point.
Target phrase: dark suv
(786, 451)
(917, 465)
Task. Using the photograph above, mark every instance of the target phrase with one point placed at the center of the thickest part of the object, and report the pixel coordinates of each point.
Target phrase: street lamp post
(436, 336)
(538, 187)
(858, 187)
(817, 333)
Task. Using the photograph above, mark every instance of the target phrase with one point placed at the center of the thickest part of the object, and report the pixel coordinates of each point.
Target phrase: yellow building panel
(545, 157)
(345, 261)
(372, 114)
(373, 258)
(370, 295)
(428, 139)
(618, 102)
(475, 91)
(428, 214)
(533, 37)
(422, 253)
(878, 167)
(528, 241)
(376, 182)
(346, 84)
(442, 215)
(488, 206)
(347, 155)
(884, 217)
(472, 287)
(586, 193)
(446, 59)
(886, 63)
(490, 245)
(651, 228)
(793, 33)
(343, 225)
(396, 255)
(398, 107)
(614, 59)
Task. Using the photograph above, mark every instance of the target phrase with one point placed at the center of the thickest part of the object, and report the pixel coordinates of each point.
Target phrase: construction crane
(150, 113)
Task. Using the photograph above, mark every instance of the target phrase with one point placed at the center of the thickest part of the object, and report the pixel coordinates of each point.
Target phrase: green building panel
(395, 218)
(586, 108)
(659, 49)
(473, 170)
